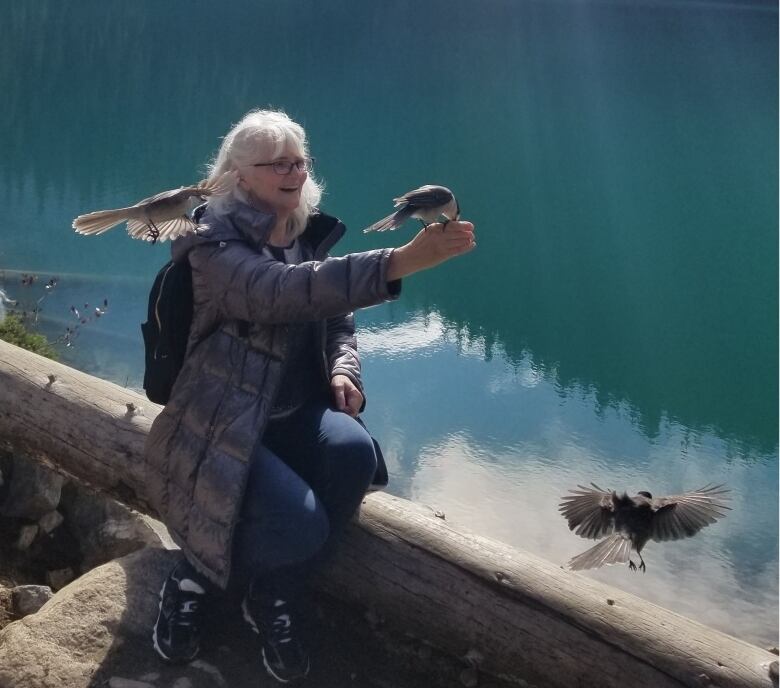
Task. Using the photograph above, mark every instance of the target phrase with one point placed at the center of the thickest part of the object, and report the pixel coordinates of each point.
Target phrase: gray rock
(81, 629)
(151, 677)
(33, 490)
(27, 535)
(98, 629)
(211, 671)
(118, 682)
(469, 678)
(105, 528)
(59, 578)
(28, 599)
(50, 521)
(6, 465)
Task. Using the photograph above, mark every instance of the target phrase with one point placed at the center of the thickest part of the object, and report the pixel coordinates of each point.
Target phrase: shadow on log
(519, 618)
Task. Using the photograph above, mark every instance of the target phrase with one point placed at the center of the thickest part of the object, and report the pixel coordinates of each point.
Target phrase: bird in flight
(159, 217)
(629, 522)
(427, 204)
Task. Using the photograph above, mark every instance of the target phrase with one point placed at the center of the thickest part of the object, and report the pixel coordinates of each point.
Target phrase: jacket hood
(238, 221)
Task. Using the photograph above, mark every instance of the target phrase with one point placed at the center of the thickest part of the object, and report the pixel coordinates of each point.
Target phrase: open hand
(432, 246)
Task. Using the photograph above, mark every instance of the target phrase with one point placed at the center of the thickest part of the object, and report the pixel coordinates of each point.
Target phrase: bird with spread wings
(162, 216)
(627, 523)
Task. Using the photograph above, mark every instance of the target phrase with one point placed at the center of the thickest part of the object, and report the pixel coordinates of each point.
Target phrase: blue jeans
(307, 478)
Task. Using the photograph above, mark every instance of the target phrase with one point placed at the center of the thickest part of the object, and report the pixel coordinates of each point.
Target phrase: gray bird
(427, 204)
(629, 522)
(160, 217)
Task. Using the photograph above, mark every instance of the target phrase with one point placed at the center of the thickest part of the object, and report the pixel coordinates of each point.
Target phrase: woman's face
(280, 193)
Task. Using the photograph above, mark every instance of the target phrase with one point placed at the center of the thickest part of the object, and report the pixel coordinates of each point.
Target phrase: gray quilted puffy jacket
(198, 448)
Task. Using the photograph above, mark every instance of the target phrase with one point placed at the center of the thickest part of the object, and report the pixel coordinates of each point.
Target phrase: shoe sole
(248, 618)
(157, 647)
(271, 673)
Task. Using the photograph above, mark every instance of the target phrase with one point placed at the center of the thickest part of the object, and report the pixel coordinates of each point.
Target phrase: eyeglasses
(283, 167)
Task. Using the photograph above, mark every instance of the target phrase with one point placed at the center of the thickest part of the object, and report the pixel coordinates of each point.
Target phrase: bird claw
(642, 567)
(631, 565)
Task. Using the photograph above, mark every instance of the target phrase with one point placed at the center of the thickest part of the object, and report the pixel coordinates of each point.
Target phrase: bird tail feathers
(100, 221)
(392, 221)
(615, 549)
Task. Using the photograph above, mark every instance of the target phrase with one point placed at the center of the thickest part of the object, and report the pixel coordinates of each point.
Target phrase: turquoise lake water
(617, 322)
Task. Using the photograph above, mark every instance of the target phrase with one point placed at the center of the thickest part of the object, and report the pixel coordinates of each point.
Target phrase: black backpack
(167, 329)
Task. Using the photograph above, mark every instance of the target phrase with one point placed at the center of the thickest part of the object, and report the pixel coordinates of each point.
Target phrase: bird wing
(220, 186)
(428, 196)
(679, 516)
(170, 229)
(591, 511)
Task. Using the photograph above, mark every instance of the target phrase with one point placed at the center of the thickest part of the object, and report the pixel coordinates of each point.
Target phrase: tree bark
(516, 616)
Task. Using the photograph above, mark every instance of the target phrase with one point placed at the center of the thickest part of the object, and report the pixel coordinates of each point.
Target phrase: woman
(258, 459)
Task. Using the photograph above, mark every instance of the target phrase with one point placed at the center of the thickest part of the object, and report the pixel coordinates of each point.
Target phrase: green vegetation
(12, 330)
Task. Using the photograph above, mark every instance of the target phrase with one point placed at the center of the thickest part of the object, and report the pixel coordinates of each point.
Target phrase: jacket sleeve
(248, 285)
(341, 349)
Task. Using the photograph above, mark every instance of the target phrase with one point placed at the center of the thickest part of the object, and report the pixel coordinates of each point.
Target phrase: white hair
(265, 134)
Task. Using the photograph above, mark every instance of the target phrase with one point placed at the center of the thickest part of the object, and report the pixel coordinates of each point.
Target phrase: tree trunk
(517, 616)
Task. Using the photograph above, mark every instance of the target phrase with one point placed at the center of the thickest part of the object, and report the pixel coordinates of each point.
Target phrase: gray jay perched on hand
(629, 522)
(159, 217)
(427, 204)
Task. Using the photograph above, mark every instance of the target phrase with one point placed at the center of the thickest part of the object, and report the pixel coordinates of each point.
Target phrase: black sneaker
(176, 633)
(283, 655)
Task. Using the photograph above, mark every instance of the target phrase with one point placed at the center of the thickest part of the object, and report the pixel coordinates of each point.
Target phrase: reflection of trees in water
(705, 390)
(629, 256)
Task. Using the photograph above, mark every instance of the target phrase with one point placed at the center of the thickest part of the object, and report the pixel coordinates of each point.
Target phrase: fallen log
(516, 616)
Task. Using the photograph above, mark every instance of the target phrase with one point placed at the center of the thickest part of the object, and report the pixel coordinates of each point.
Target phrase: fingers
(455, 225)
(339, 396)
(346, 396)
(354, 402)
(452, 226)
(431, 247)
(456, 237)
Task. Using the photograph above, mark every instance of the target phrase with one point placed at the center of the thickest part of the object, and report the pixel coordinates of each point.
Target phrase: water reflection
(628, 209)
(514, 497)
(618, 321)
(494, 441)
(495, 444)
